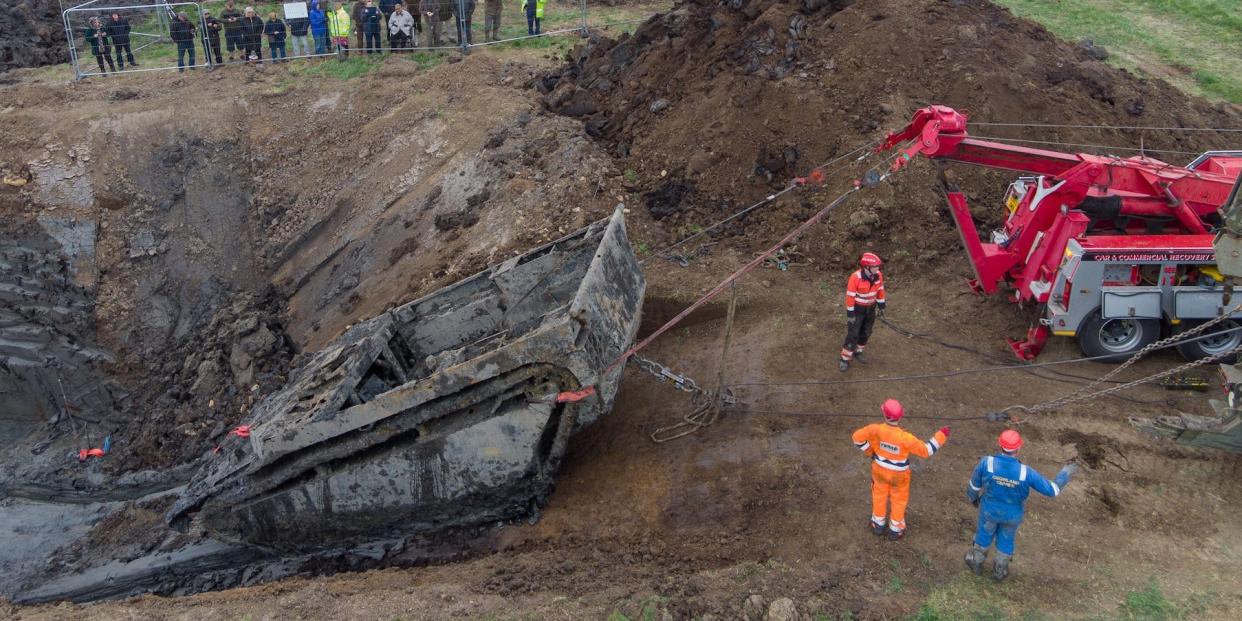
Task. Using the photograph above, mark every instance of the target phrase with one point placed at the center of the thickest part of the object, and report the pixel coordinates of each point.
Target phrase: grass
(1193, 44)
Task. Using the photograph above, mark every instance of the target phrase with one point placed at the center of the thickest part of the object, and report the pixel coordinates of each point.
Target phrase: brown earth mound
(31, 34)
(714, 104)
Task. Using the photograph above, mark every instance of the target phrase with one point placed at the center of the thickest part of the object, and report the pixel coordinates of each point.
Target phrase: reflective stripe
(990, 470)
(1056, 489)
(891, 465)
(851, 294)
(863, 446)
(931, 448)
(972, 486)
(1022, 473)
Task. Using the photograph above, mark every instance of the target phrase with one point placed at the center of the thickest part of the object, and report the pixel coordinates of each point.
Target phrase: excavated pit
(208, 250)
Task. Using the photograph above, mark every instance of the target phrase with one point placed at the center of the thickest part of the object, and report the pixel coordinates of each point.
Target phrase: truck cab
(1119, 293)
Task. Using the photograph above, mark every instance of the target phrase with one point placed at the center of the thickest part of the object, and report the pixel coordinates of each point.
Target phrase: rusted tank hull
(438, 414)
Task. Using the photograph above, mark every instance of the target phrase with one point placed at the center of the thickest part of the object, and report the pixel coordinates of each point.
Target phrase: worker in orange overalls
(864, 297)
(889, 447)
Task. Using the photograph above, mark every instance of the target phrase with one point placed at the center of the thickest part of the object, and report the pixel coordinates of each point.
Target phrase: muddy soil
(698, 113)
(31, 34)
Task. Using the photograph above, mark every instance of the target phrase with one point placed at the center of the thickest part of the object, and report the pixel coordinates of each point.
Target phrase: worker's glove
(945, 431)
(851, 316)
(879, 309)
(1069, 470)
(974, 502)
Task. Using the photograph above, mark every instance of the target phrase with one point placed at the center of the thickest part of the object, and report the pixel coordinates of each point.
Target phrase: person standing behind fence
(356, 16)
(371, 23)
(298, 27)
(97, 37)
(463, 24)
(534, 15)
(319, 28)
(492, 10)
(276, 33)
(400, 28)
(183, 32)
(252, 35)
(211, 37)
(430, 10)
(387, 7)
(339, 25)
(118, 31)
(233, 37)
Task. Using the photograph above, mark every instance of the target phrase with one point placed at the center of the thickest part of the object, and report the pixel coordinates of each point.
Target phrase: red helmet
(1010, 441)
(892, 410)
(870, 259)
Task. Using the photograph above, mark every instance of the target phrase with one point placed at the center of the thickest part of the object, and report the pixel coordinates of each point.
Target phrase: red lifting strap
(241, 431)
(85, 454)
(571, 396)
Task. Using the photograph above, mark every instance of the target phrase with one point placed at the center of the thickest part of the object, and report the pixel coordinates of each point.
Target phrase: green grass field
(1194, 44)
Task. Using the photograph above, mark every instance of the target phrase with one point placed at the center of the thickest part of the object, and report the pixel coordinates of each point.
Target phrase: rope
(1093, 146)
(772, 197)
(1126, 127)
(705, 413)
(1082, 394)
(756, 262)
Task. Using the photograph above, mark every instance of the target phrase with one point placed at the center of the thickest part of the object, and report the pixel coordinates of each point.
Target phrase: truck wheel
(1117, 339)
(1216, 340)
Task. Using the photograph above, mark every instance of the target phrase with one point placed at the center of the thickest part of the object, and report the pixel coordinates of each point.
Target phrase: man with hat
(999, 487)
(864, 299)
(889, 447)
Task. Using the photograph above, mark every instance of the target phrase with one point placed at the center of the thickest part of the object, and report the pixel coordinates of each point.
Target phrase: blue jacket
(1004, 484)
(318, 23)
(371, 20)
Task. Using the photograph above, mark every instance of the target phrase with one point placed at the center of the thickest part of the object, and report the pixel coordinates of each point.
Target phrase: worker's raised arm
(928, 448)
(862, 441)
(1051, 488)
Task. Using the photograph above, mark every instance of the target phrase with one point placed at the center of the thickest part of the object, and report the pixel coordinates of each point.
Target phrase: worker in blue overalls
(999, 487)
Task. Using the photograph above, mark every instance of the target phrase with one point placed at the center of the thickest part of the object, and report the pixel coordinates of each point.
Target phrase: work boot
(858, 355)
(844, 365)
(975, 558)
(1000, 567)
(896, 535)
(877, 528)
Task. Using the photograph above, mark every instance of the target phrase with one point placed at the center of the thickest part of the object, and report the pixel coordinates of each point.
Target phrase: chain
(1083, 394)
(679, 381)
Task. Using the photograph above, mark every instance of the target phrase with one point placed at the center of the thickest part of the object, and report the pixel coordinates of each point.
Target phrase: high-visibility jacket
(538, 6)
(340, 25)
(1004, 483)
(890, 446)
(861, 291)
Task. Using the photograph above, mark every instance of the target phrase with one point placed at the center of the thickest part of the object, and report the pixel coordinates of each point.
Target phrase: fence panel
(141, 36)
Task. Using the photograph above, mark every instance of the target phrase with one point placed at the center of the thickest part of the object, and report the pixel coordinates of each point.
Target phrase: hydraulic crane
(1117, 250)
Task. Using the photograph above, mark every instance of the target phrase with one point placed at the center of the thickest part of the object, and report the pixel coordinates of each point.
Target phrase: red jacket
(863, 292)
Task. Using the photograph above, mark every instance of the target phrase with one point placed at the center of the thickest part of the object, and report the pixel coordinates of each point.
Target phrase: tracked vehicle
(450, 411)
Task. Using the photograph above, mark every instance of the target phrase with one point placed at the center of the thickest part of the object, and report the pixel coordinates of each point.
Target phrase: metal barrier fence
(211, 33)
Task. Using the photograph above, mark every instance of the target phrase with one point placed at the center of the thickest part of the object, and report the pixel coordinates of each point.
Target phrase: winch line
(975, 370)
(1117, 127)
(795, 184)
(1092, 146)
(756, 262)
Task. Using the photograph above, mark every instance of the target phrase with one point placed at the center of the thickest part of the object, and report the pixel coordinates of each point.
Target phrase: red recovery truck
(1116, 250)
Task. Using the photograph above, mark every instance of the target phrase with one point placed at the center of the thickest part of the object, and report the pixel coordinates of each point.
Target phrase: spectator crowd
(374, 25)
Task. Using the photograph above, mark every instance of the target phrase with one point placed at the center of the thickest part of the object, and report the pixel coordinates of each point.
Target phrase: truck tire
(1214, 343)
(1116, 339)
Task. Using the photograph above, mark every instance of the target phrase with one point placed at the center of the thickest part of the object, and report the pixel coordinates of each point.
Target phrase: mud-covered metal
(437, 414)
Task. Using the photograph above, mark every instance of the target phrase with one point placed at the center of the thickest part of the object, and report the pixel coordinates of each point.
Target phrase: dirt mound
(734, 98)
(31, 34)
